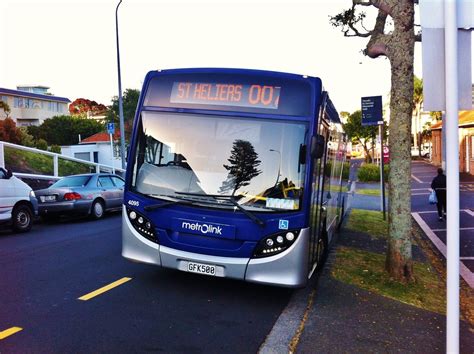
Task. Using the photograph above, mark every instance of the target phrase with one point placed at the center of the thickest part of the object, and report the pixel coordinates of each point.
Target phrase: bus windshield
(259, 163)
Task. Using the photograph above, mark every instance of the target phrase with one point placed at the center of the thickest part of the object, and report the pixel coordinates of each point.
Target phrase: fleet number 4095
(133, 202)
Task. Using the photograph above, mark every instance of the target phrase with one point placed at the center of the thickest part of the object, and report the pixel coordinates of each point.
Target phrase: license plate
(201, 268)
(48, 198)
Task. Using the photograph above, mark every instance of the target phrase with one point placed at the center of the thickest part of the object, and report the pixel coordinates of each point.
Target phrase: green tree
(130, 102)
(65, 130)
(243, 164)
(363, 135)
(6, 108)
(392, 36)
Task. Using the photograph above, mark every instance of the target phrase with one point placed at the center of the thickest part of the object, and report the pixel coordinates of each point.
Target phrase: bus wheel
(321, 251)
(22, 218)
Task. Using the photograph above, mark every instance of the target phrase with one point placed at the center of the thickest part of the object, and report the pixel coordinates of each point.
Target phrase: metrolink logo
(202, 228)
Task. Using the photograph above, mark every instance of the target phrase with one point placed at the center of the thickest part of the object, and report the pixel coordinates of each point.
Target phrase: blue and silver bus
(234, 173)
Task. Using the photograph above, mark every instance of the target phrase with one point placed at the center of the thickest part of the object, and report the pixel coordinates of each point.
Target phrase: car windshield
(74, 181)
(254, 161)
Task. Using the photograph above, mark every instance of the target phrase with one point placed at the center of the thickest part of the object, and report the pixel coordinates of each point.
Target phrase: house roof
(466, 118)
(19, 93)
(102, 137)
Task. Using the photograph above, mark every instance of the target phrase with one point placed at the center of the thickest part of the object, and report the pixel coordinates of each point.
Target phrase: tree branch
(378, 42)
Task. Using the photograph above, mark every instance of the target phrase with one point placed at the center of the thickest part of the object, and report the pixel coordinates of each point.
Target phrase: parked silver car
(89, 194)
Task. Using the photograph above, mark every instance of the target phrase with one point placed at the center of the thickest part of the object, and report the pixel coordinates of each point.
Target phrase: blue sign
(204, 228)
(283, 224)
(110, 128)
(372, 110)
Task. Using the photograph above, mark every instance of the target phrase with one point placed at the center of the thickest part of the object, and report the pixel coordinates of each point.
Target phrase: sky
(69, 45)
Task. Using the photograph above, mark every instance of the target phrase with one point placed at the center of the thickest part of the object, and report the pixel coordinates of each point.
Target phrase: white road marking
(461, 229)
(416, 179)
(430, 212)
(466, 258)
(467, 275)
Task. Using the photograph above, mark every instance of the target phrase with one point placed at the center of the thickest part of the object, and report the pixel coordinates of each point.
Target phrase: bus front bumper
(288, 269)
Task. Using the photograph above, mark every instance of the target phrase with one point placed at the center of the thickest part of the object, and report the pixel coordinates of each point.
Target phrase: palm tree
(417, 102)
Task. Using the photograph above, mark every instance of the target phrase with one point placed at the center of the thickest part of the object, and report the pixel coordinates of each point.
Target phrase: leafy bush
(42, 144)
(371, 173)
(55, 148)
(345, 170)
(25, 138)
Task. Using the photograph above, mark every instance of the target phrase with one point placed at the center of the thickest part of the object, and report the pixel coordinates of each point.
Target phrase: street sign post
(111, 131)
(372, 115)
(372, 110)
(111, 128)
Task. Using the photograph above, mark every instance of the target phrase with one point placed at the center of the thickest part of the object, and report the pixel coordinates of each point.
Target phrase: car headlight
(142, 225)
(32, 194)
(276, 243)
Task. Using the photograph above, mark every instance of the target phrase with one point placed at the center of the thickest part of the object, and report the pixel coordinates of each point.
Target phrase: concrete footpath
(330, 316)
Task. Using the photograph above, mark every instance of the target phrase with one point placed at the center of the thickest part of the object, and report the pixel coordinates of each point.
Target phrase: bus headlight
(142, 225)
(274, 244)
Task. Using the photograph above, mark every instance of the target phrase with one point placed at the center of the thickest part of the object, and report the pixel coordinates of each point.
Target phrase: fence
(56, 158)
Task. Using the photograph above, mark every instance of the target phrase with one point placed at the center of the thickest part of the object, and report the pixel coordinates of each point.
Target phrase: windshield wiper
(167, 203)
(232, 200)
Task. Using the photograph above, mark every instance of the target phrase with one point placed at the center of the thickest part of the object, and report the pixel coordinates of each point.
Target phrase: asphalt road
(427, 217)
(44, 272)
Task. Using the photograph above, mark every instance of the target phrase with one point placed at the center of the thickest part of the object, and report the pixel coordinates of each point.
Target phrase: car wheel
(22, 218)
(97, 210)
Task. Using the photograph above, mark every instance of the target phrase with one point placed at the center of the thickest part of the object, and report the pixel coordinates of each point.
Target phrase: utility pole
(122, 125)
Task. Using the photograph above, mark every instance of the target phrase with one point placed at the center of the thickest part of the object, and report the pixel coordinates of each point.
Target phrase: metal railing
(55, 158)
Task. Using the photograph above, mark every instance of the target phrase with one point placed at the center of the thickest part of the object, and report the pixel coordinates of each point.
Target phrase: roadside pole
(372, 114)
(382, 176)
(452, 174)
(111, 131)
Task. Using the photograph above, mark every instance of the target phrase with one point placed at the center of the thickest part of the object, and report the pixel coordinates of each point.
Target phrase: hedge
(371, 173)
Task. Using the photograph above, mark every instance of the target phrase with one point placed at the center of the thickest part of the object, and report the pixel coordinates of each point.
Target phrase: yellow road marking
(104, 289)
(8, 332)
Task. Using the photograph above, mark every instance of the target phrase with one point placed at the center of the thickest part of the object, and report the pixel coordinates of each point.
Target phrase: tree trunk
(401, 54)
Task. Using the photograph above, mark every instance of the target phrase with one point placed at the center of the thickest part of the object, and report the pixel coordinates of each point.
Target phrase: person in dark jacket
(439, 186)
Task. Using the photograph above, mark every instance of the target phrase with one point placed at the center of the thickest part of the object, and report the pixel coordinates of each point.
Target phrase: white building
(31, 105)
(96, 148)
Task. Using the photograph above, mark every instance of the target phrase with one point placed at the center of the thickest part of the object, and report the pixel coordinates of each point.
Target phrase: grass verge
(367, 270)
(366, 191)
(369, 222)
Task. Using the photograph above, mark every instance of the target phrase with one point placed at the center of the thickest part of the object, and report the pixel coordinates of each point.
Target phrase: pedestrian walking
(439, 186)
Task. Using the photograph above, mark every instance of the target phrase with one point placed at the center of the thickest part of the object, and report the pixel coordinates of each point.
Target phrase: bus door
(317, 209)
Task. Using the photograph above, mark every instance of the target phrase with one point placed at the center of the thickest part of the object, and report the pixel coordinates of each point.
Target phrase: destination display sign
(243, 92)
(221, 94)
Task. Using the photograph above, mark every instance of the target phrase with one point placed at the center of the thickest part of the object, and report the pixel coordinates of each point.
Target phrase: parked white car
(18, 204)
(425, 151)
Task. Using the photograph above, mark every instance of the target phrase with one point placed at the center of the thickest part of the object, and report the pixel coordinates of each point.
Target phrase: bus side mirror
(317, 146)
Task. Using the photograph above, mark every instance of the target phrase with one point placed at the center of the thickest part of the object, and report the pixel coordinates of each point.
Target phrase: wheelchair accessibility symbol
(283, 224)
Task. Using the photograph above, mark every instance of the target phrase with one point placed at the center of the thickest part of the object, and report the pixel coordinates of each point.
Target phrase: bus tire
(97, 209)
(322, 250)
(22, 218)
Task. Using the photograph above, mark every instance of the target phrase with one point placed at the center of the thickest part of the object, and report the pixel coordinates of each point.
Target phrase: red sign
(386, 155)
